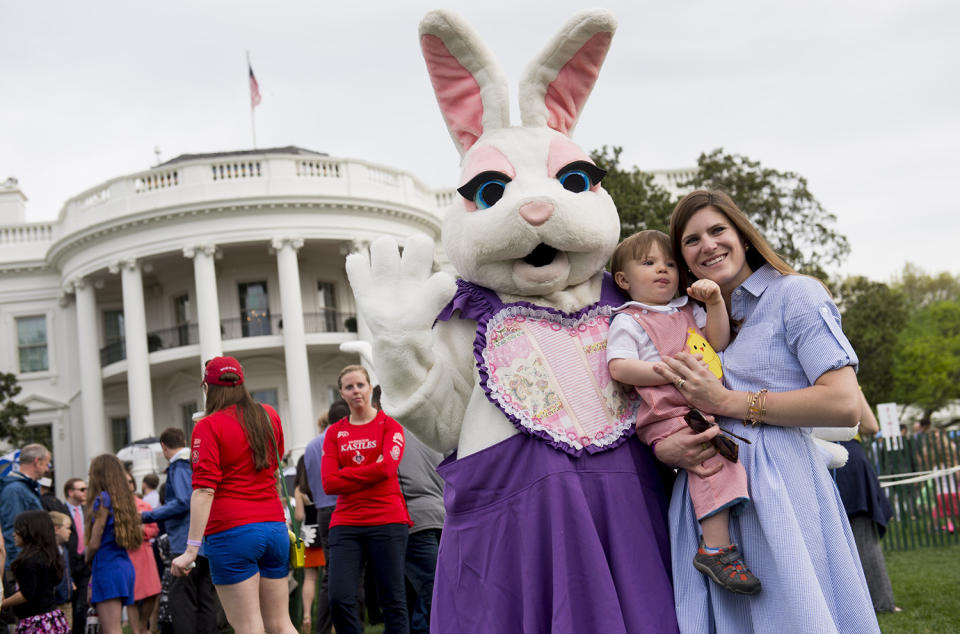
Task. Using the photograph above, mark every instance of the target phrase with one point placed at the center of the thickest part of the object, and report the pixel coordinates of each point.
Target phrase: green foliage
(794, 223)
(922, 289)
(873, 316)
(926, 364)
(641, 203)
(13, 415)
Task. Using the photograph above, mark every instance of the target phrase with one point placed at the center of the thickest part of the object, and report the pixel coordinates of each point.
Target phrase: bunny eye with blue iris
(485, 189)
(580, 176)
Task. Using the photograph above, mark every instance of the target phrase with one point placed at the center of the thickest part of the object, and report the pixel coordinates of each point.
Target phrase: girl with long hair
(38, 570)
(112, 528)
(788, 367)
(235, 507)
(361, 454)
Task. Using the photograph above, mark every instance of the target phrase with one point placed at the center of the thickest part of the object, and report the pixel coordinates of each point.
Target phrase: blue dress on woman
(111, 575)
(794, 533)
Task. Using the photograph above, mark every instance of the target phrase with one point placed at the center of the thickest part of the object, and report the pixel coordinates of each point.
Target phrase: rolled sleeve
(814, 333)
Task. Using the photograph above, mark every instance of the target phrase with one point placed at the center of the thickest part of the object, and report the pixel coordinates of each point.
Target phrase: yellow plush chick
(697, 344)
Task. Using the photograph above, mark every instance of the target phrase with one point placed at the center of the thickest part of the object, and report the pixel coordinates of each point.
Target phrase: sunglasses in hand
(724, 446)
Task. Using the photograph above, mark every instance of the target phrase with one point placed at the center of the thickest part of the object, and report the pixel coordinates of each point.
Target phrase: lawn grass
(925, 584)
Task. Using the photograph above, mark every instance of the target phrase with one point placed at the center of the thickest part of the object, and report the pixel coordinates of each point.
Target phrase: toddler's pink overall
(663, 408)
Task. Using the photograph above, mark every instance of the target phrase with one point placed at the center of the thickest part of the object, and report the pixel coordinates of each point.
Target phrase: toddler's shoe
(727, 569)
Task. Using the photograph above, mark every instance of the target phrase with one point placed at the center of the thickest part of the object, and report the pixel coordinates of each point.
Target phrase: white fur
(430, 382)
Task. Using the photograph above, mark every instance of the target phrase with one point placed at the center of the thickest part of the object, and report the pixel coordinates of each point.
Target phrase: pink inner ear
(458, 92)
(567, 93)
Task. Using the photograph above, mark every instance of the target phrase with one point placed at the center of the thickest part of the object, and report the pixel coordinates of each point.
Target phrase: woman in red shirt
(361, 454)
(235, 506)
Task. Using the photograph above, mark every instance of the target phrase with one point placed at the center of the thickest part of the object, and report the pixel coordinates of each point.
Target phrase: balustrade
(151, 181)
(236, 169)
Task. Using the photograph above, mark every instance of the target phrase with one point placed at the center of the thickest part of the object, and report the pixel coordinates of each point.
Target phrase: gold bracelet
(756, 408)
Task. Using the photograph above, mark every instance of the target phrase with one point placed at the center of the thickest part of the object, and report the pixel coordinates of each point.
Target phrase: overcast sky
(859, 97)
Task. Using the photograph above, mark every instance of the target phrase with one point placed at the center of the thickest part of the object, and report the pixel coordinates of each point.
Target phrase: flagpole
(253, 125)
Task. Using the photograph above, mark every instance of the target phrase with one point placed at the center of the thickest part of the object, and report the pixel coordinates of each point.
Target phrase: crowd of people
(214, 538)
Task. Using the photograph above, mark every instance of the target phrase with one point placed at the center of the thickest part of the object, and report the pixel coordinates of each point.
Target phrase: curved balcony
(196, 184)
(232, 331)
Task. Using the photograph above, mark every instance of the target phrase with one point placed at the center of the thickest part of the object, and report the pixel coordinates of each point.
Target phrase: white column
(96, 435)
(139, 391)
(301, 423)
(207, 302)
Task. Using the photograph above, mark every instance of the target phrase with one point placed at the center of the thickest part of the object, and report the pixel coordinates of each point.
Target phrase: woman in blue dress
(789, 367)
(113, 528)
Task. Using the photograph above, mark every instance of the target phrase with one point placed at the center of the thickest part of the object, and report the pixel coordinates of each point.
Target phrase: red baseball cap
(218, 366)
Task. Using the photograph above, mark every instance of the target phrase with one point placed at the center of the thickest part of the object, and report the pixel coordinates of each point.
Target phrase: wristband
(195, 542)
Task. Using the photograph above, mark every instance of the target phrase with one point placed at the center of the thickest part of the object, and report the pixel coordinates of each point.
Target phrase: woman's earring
(746, 246)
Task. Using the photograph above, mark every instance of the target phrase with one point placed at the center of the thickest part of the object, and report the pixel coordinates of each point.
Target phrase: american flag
(254, 89)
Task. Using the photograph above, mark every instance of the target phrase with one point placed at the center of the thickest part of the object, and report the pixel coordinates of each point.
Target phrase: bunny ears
(472, 90)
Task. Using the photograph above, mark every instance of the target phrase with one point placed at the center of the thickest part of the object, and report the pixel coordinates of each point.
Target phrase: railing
(445, 198)
(253, 325)
(151, 181)
(113, 352)
(319, 169)
(236, 169)
(919, 477)
(182, 335)
(26, 233)
(329, 321)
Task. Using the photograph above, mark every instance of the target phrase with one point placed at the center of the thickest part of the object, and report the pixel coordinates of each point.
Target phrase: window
(186, 417)
(114, 348)
(120, 432)
(254, 309)
(32, 343)
(327, 301)
(267, 397)
(181, 313)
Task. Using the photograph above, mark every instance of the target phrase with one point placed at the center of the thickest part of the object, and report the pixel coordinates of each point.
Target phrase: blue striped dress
(794, 533)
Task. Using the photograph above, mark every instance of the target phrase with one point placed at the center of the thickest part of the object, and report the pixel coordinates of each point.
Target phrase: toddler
(657, 323)
(64, 591)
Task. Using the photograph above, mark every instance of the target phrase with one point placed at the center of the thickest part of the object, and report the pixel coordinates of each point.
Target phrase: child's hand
(706, 291)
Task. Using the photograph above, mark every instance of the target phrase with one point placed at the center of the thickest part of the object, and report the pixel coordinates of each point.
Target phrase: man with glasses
(75, 494)
(20, 492)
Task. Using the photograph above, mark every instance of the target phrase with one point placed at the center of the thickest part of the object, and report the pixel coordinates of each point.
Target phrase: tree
(641, 203)
(922, 289)
(13, 415)
(874, 314)
(926, 365)
(780, 205)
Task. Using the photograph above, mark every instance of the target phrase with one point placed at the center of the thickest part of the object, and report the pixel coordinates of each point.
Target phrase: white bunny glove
(399, 300)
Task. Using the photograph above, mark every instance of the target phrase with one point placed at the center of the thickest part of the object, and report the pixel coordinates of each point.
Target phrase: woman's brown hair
(252, 416)
(107, 474)
(758, 251)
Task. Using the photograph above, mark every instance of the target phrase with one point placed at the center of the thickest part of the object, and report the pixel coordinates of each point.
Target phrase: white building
(107, 312)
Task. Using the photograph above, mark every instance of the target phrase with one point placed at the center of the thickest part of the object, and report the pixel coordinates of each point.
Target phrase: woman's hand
(688, 450)
(694, 380)
(181, 566)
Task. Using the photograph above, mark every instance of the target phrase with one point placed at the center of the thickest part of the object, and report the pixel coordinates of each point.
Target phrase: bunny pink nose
(537, 212)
